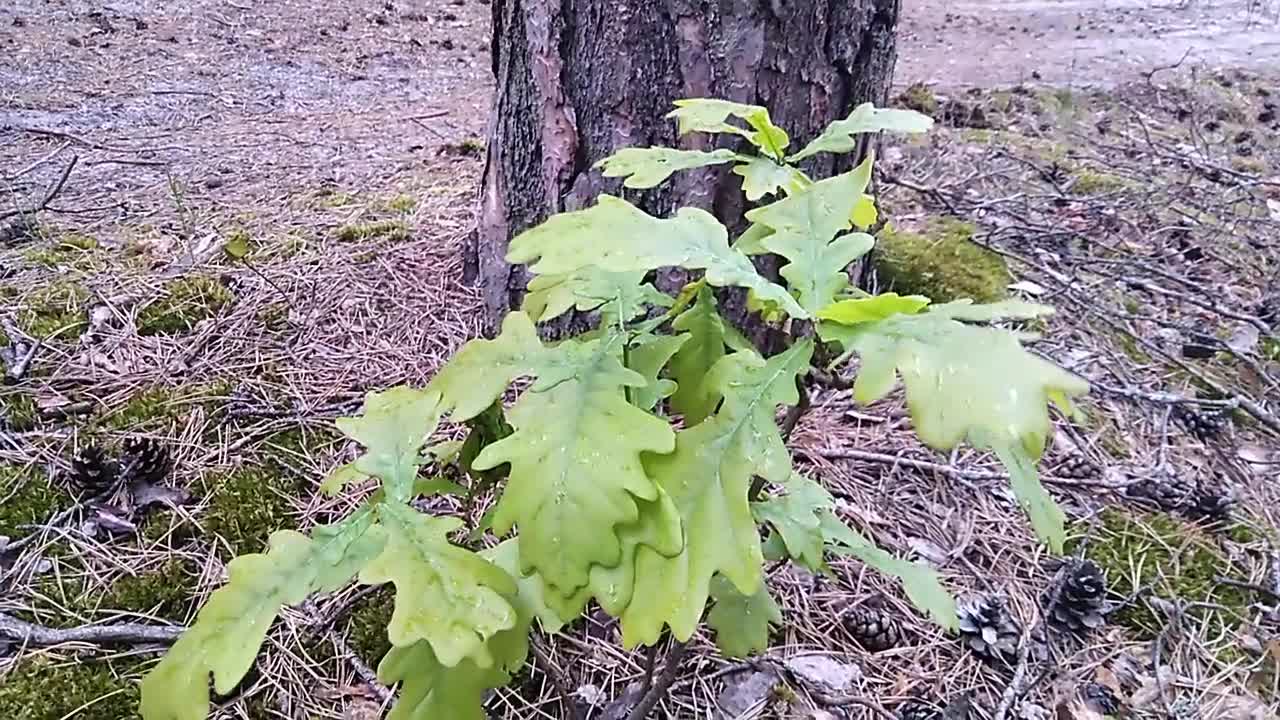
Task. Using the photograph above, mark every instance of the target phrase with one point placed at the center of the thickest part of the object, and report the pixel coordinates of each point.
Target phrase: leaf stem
(670, 667)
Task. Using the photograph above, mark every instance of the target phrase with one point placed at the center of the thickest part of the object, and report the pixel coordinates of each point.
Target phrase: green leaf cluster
(634, 465)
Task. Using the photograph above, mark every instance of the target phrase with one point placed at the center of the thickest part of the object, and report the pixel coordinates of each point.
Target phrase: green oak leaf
(232, 625)
(393, 426)
(648, 167)
(530, 588)
(805, 226)
(840, 136)
(648, 355)
(871, 309)
(919, 581)
(575, 463)
(432, 690)
(481, 371)
(864, 213)
(237, 247)
(742, 621)
(751, 241)
(708, 477)
(968, 382)
(694, 397)
(712, 115)
(762, 176)
(794, 515)
(340, 477)
(446, 595)
(624, 295)
(616, 236)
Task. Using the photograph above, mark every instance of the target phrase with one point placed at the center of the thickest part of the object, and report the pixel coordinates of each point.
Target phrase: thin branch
(49, 194)
(670, 667)
(21, 631)
(1019, 686)
(550, 669)
(948, 470)
(866, 702)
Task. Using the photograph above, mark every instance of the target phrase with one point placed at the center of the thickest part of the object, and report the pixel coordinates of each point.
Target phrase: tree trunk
(578, 79)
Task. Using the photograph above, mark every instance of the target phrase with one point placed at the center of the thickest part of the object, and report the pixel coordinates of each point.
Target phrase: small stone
(745, 691)
(822, 671)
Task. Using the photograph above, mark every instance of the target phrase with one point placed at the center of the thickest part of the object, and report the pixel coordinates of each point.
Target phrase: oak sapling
(603, 498)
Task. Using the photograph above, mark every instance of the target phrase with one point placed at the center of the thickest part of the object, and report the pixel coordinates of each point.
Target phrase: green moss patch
(367, 626)
(1173, 559)
(165, 592)
(185, 303)
(942, 263)
(247, 505)
(27, 498)
(1089, 182)
(40, 689)
(58, 308)
(402, 203)
(18, 410)
(388, 229)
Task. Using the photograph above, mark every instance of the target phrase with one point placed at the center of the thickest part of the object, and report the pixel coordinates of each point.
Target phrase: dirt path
(990, 43)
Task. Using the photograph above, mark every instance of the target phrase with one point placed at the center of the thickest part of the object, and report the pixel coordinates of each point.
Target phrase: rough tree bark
(577, 79)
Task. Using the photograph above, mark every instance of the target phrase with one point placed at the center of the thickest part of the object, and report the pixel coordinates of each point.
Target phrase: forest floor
(334, 149)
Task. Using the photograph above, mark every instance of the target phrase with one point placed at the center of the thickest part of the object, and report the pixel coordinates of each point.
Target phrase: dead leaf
(148, 494)
(1077, 709)
(1155, 689)
(1238, 707)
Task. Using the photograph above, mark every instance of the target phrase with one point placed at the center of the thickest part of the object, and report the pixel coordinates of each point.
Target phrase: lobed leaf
(805, 226)
(967, 382)
(447, 596)
(919, 581)
(616, 236)
(393, 426)
(795, 516)
(707, 477)
(742, 621)
(871, 309)
(625, 295)
(648, 356)
(575, 463)
(648, 167)
(694, 397)
(232, 625)
(839, 137)
(762, 176)
(480, 372)
(432, 690)
(712, 115)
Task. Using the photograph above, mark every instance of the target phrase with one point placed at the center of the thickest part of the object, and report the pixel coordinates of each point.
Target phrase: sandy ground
(986, 43)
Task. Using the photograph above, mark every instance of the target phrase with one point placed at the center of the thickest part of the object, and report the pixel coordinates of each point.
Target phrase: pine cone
(1080, 604)
(1078, 467)
(987, 628)
(873, 630)
(1101, 698)
(144, 461)
(1202, 425)
(1210, 502)
(1166, 492)
(92, 471)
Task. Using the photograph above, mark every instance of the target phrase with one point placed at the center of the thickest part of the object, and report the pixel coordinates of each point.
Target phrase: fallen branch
(27, 633)
(49, 194)
(948, 470)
